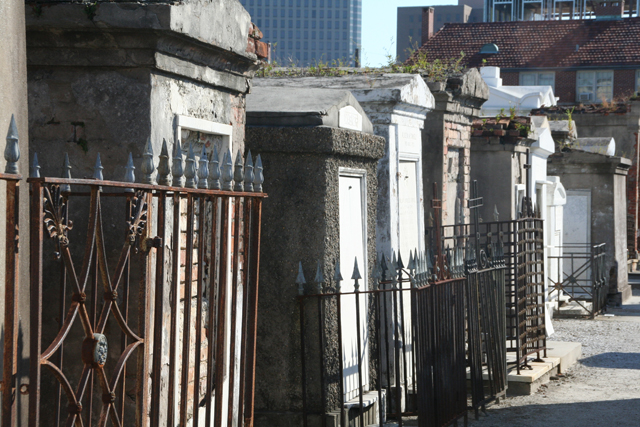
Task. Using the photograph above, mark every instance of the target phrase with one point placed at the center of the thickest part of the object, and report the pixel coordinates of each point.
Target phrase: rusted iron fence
(581, 277)
(151, 319)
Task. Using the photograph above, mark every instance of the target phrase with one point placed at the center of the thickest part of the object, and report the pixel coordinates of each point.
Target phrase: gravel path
(602, 389)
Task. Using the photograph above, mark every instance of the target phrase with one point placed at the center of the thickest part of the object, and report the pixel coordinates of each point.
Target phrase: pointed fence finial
(129, 175)
(412, 262)
(248, 173)
(148, 167)
(238, 173)
(400, 264)
(12, 149)
(66, 173)
(35, 167)
(383, 267)
(338, 277)
(356, 275)
(300, 281)
(496, 215)
(177, 169)
(319, 279)
(227, 171)
(259, 177)
(164, 171)
(190, 169)
(203, 169)
(376, 275)
(214, 170)
(97, 169)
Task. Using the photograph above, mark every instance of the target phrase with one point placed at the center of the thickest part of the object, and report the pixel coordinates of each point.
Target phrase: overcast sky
(379, 19)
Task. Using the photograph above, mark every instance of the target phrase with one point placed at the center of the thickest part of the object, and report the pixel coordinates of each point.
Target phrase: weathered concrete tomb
(322, 155)
(596, 209)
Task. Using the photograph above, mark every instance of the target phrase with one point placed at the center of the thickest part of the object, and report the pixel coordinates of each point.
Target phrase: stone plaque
(350, 118)
(409, 139)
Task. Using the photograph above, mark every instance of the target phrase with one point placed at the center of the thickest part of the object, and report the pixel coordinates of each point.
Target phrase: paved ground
(603, 389)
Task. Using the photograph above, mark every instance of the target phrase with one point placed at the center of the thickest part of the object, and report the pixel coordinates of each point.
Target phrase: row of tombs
(352, 163)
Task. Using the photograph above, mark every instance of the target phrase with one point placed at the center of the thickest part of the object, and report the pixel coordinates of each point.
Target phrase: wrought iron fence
(152, 321)
(580, 276)
(420, 355)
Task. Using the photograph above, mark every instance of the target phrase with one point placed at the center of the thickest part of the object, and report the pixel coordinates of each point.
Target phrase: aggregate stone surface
(602, 389)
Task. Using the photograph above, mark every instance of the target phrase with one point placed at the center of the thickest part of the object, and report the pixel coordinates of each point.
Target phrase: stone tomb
(322, 208)
(596, 209)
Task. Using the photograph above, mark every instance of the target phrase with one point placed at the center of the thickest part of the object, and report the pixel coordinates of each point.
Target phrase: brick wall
(624, 83)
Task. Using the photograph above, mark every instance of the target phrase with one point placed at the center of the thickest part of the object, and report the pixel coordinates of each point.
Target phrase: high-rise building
(409, 28)
(305, 32)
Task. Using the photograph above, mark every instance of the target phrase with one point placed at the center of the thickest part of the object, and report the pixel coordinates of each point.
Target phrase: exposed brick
(261, 49)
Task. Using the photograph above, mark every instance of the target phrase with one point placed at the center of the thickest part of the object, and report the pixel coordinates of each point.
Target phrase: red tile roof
(541, 44)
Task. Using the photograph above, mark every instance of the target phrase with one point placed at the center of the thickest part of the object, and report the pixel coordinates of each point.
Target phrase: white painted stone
(349, 118)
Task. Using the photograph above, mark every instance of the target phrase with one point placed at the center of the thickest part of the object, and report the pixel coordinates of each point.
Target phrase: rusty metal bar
(200, 296)
(245, 302)
(186, 329)
(125, 308)
(256, 225)
(61, 314)
(175, 302)
(222, 310)
(234, 300)
(36, 238)
(305, 411)
(158, 309)
(10, 356)
(215, 256)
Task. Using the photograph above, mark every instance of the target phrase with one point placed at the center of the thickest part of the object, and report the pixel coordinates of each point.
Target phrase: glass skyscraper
(305, 32)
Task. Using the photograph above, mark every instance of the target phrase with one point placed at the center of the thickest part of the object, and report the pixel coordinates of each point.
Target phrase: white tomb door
(577, 235)
(409, 241)
(353, 238)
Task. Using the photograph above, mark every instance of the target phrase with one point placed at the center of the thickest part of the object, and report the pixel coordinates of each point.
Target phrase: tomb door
(577, 241)
(353, 238)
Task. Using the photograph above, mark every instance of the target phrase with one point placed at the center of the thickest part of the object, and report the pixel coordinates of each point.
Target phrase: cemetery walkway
(602, 389)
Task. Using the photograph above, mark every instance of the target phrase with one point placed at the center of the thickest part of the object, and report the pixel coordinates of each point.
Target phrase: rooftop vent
(490, 48)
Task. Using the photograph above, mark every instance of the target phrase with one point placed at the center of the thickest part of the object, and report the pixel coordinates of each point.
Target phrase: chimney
(607, 10)
(427, 23)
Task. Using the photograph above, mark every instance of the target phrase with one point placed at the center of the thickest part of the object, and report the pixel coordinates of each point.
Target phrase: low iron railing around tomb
(580, 276)
(152, 320)
(431, 325)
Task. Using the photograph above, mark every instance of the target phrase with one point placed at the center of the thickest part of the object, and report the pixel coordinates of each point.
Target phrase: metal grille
(157, 326)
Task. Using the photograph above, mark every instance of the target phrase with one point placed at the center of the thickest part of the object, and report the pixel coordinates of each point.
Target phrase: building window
(594, 86)
(637, 81)
(546, 78)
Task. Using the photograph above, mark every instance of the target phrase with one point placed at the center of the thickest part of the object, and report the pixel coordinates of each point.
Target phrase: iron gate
(581, 276)
(152, 320)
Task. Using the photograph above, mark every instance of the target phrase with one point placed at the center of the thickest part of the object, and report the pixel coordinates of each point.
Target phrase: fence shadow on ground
(613, 360)
(601, 413)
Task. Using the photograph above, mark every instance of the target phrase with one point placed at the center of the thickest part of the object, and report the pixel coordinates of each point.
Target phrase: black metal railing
(579, 275)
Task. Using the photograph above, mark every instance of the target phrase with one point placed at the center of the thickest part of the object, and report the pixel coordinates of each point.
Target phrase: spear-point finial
(66, 173)
(394, 260)
(376, 275)
(319, 279)
(12, 149)
(227, 171)
(164, 171)
(412, 261)
(400, 264)
(97, 169)
(338, 277)
(129, 175)
(238, 173)
(35, 167)
(148, 167)
(190, 169)
(203, 169)
(356, 275)
(214, 170)
(259, 177)
(300, 281)
(248, 173)
(177, 169)
(496, 215)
